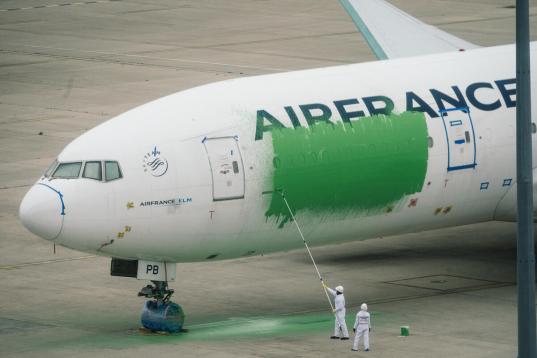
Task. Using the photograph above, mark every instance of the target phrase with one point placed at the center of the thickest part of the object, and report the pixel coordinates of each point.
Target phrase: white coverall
(339, 302)
(362, 325)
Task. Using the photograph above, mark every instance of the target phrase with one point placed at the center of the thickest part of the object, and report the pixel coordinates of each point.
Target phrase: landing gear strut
(159, 292)
(160, 313)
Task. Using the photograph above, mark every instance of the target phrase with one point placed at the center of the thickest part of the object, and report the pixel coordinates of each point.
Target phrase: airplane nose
(42, 211)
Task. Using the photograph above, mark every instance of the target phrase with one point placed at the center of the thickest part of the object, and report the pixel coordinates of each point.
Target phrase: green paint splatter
(229, 329)
(358, 167)
(113, 333)
(263, 326)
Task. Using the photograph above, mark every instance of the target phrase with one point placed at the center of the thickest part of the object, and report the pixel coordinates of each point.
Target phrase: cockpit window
(51, 168)
(93, 170)
(67, 170)
(112, 171)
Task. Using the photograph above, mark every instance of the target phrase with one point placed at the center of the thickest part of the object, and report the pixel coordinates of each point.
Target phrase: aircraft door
(226, 167)
(460, 138)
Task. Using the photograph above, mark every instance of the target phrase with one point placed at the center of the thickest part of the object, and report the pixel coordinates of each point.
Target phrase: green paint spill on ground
(358, 167)
(265, 326)
(229, 329)
(116, 337)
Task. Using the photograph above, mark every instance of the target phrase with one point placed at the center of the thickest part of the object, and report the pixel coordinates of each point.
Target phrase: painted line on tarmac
(57, 5)
(100, 114)
(115, 57)
(16, 186)
(36, 263)
(430, 294)
(171, 59)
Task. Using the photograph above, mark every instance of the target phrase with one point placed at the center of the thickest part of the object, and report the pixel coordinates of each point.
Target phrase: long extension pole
(525, 244)
(308, 249)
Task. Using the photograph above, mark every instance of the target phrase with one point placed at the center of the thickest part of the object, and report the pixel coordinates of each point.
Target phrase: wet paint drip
(348, 168)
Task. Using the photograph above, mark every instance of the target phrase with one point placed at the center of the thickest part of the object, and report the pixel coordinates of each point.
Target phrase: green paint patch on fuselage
(359, 167)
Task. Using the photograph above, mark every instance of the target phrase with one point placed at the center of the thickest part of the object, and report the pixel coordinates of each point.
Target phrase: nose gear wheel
(160, 314)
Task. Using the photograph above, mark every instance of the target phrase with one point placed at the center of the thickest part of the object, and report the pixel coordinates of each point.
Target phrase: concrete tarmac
(67, 66)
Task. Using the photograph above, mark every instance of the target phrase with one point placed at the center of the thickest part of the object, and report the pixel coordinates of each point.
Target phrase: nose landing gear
(160, 313)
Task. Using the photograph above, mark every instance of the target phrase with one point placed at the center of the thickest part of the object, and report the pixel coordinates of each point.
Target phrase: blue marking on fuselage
(59, 194)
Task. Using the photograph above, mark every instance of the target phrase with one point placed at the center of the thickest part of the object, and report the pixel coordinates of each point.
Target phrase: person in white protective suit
(362, 327)
(339, 311)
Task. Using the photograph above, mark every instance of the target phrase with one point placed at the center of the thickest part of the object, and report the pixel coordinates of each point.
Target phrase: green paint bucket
(405, 331)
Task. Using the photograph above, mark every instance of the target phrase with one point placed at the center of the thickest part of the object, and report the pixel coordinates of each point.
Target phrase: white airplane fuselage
(203, 169)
